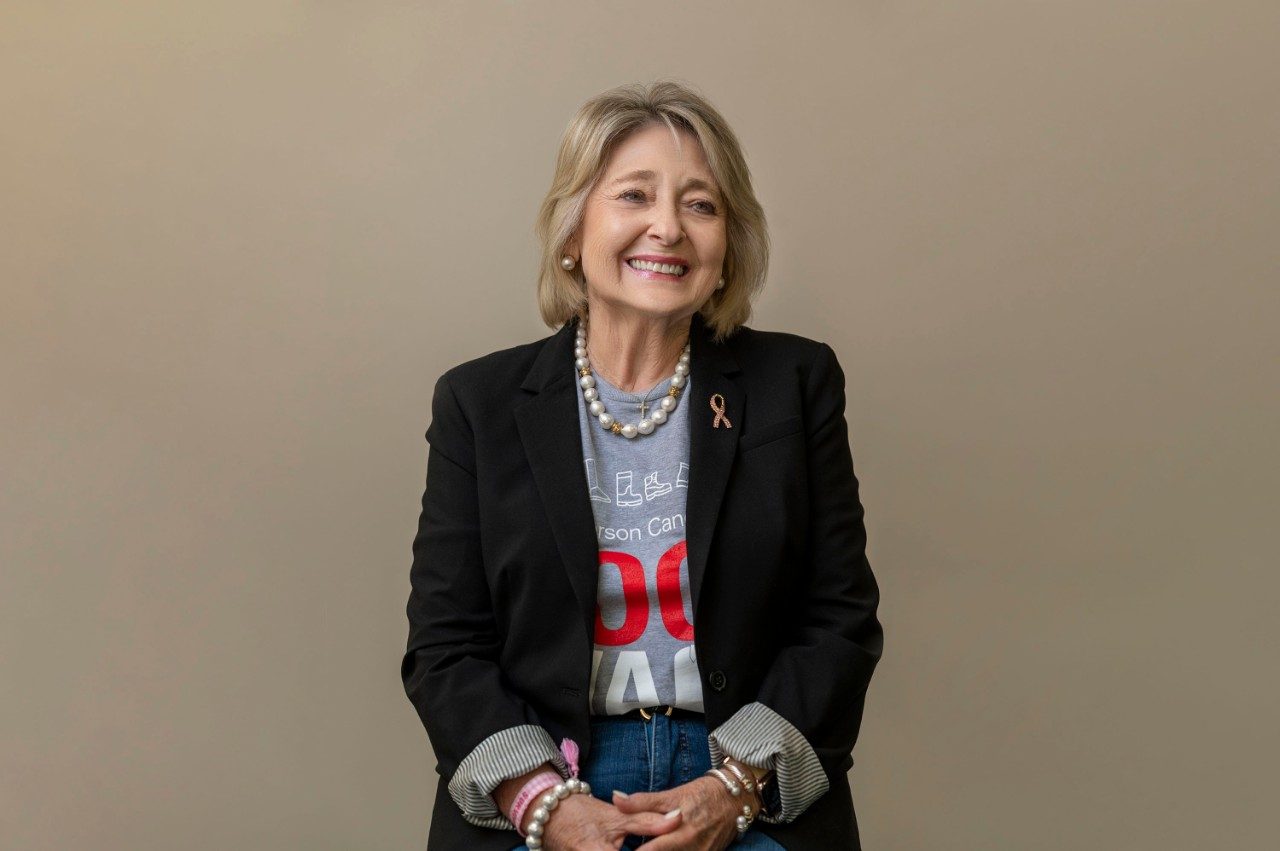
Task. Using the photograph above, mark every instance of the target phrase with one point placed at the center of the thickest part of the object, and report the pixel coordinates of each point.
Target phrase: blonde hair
(595, 131)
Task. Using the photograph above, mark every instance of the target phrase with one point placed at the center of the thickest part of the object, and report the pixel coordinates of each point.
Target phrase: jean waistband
(651, 711)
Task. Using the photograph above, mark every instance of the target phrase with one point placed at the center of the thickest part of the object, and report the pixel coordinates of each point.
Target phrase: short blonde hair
(595, 131)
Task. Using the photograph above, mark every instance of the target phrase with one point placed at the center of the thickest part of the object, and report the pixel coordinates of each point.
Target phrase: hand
(708, 815)
(584, 823)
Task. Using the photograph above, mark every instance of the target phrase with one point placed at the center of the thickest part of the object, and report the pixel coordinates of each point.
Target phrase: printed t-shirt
(643, 645)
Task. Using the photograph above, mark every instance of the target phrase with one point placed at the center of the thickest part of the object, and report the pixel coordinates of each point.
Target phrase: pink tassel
(569, 748)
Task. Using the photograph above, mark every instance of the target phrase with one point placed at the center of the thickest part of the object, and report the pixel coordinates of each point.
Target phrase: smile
(665, 269)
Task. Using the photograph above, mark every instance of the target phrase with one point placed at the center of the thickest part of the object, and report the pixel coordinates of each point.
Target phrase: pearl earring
(567, 262)
(720, 285)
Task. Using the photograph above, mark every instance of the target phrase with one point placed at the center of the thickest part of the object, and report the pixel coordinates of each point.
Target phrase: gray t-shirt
(644, 654)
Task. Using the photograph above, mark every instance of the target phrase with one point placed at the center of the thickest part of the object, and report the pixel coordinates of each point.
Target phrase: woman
(641, 604)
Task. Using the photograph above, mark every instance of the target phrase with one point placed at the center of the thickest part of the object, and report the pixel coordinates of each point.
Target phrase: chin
(663, 308)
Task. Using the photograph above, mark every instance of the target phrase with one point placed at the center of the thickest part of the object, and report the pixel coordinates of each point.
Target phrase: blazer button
(718, 680)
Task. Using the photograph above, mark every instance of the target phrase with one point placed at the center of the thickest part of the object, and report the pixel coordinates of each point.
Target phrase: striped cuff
(507, 753)
(761, 737)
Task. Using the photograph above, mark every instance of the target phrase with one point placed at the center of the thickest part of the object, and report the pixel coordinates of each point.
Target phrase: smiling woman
(625, 624)
(615, 154)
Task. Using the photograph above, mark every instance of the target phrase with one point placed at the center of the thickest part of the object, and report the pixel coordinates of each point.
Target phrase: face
(656, 203)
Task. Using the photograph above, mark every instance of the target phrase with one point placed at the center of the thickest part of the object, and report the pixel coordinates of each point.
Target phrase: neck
(635, 353)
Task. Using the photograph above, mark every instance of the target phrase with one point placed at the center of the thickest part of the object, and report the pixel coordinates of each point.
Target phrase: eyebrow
(646, 174)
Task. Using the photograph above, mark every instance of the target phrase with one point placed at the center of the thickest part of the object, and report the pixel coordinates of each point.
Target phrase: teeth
(664, 268)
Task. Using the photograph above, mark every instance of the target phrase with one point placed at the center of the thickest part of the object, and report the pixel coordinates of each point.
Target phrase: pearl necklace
(587, 382)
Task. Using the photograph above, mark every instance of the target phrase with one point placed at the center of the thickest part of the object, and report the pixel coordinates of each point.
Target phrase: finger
(650, 824)
(640, 802)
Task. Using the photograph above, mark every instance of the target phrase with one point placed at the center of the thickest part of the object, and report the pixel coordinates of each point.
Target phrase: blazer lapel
(548, 428)
(711, 448)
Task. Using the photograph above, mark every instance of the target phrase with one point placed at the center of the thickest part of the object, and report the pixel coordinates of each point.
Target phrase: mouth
(658, 271)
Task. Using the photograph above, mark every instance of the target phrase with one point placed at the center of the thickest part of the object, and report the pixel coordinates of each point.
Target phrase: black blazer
(502, 607)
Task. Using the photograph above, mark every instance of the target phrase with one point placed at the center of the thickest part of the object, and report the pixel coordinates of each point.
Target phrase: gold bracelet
(759, 785)
(744, 777)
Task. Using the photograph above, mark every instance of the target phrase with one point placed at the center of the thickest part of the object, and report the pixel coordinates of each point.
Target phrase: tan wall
(241, 240)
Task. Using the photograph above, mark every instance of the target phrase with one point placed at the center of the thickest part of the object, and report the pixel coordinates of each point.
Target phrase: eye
(706, 207)
(632, 192)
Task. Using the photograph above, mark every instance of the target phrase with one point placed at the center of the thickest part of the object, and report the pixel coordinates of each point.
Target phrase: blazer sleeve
(481, 732)
(809, 709)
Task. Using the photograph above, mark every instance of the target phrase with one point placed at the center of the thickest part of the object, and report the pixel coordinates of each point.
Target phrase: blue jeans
(634, 755)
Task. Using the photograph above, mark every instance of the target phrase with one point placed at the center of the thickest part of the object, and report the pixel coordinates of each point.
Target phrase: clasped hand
(696, 816)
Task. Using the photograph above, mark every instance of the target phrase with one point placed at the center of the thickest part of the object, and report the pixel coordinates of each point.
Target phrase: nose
(666, 226)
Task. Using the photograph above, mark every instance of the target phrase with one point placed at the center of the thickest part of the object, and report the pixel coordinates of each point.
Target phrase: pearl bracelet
(533, 836)
(743, 822)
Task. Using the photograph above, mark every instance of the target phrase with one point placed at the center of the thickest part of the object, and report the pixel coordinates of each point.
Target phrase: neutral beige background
(241, 240)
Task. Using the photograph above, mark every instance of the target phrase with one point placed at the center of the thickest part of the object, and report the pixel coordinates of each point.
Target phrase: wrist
(532, 795)
(547, 803)
(752, 778)
(743, 801)
(504, 796)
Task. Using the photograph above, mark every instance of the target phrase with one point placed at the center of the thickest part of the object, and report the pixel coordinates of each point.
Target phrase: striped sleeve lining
(507, 753)
(758, 736)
